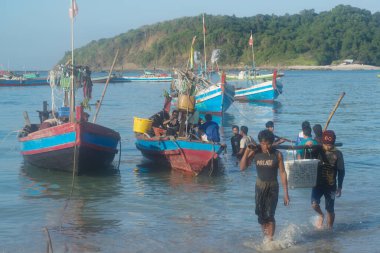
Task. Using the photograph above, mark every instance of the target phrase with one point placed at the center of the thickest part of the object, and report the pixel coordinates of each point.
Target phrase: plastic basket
(301, 173)
(64, 112)
(141, 125)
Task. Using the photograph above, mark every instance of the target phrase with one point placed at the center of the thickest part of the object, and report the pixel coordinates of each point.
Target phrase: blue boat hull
(265, 91)
(54, 147)
(215, 99)
(193, 157)
(26, 82)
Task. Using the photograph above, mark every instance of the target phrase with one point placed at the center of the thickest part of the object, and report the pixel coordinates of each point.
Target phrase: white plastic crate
(301, 173)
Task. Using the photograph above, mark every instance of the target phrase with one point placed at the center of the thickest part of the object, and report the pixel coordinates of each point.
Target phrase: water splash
(286, 238)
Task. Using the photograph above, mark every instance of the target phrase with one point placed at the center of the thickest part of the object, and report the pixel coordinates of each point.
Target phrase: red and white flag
(73, 10)
(204, 25)
(250, 42)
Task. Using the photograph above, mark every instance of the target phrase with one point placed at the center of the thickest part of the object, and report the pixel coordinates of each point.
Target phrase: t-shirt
(211, 129)
(245, 140)
(235, 143)
(331, 163)
(308, 151)
(267, 165)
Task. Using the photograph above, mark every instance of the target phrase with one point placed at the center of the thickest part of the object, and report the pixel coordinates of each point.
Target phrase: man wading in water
(268, 161)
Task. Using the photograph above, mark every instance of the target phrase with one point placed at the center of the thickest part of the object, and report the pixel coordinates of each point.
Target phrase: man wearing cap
(330, 167)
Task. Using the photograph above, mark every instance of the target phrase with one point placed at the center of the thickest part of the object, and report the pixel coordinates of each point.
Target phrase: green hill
(307, 38)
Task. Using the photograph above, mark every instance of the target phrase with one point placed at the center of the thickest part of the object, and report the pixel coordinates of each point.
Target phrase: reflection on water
(73, 217)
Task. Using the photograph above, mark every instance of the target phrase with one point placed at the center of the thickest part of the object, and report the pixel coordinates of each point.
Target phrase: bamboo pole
(105, 87)
(333, 111)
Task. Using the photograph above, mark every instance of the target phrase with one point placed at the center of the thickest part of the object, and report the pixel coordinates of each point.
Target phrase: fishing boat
(183, 151)
(20, 81)
(149, 77)
(102, 79)
(214, 98)
(266, 91)
(190, 156)
(250, 75)
(83, 146)
(258, 89)
(66, 140)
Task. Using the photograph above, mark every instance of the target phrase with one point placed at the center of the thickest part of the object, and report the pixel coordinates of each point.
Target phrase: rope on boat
(212, 159)
(72, 184)
(118, 165)
(49, 246)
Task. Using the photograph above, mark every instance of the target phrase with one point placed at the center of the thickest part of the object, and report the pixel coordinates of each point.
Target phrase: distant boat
(248, 75)
(8, 78)
(260, 91)
(102, 79)
(23, 82)
(258, 87)
(149, 77)
(190, 156)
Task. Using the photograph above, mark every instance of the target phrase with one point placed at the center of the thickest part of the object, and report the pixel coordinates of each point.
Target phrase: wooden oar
(105, 88)
(333, 111)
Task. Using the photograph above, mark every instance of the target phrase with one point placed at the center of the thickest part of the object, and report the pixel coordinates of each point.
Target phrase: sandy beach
(334, 67)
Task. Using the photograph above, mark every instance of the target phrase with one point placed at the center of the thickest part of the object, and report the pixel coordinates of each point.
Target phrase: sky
(35, 34)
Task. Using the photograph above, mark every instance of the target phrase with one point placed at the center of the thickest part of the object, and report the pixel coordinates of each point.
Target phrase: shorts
(266, 198)
(329, 193)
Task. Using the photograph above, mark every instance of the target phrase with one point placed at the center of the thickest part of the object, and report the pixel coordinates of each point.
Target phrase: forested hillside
(307, 38)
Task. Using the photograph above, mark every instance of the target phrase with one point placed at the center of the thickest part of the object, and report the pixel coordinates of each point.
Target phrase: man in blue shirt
(211, 129)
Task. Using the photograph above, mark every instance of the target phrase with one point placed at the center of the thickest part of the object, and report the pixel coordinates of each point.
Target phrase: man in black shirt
(330, 166)
(235, 140)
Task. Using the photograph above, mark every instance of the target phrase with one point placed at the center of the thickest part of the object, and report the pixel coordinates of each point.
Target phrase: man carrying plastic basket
(331, 165)
(269, 162)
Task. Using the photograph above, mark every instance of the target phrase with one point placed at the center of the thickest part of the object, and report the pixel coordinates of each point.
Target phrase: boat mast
(253, 54)
(204, 43)
(73, 11)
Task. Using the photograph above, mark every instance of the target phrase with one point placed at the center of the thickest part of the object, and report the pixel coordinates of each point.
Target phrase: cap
(328, 137)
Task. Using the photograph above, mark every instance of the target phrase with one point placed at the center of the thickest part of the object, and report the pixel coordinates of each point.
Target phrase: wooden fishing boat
(82, 145)
(10, 79)
(248, 75)
(149, 77)
(190, 156)
(102, 79)
(23, 82)
(214, 98)
(67, 141)
(262, 91)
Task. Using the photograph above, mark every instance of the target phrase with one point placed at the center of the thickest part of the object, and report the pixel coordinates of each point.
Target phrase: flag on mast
(73, 10)
(250, 40)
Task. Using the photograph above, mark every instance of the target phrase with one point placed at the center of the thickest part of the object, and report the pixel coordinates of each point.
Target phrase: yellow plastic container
(141, 125)
(186, 102)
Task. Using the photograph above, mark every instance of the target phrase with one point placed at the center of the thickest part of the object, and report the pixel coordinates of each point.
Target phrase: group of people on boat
(164, 124)
(269, 163)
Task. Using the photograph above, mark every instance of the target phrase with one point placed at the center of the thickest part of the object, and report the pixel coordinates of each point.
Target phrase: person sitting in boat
(245, 141)
(49, 123)
(172, 124)
(158, 127)
(306, 153)
(211, 128)
(85, 117)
